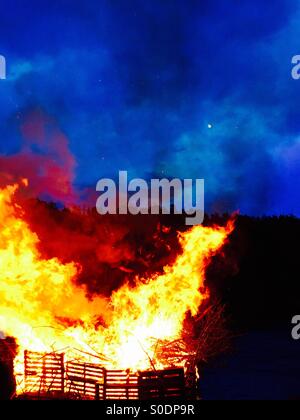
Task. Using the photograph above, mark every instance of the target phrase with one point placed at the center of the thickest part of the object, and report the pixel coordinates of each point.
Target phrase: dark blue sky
(134, 84)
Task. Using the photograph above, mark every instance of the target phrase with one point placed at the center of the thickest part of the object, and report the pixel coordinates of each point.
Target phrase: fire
(43, 308)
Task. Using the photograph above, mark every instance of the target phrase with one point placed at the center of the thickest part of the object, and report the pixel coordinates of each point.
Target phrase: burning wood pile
(49, 376)
(151, 326)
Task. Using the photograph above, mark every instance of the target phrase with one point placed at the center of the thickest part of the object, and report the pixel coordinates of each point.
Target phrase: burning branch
(203, 339)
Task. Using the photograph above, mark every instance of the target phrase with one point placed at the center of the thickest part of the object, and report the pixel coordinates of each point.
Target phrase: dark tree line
(258, 275)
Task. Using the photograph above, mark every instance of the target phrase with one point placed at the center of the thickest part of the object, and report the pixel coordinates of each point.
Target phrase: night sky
(176, 88)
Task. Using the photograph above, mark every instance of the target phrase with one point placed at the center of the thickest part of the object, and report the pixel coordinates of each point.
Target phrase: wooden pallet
(44, 372)
(120, 385)
(85, 379)
(162, 384)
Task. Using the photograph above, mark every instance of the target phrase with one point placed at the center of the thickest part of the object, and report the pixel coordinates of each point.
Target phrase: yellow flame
(37, 296)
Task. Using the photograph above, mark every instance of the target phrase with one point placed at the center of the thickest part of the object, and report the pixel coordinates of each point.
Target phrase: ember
(44, 309)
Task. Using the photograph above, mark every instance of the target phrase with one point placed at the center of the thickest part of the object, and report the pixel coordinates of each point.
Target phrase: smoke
(44, 159)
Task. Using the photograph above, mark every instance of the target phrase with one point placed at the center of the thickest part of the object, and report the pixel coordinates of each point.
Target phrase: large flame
(43, 308)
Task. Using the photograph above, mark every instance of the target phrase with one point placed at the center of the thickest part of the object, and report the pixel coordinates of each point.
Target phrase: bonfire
(156, 323)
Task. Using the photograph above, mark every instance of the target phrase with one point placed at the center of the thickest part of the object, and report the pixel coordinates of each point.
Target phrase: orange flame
(45, 310)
